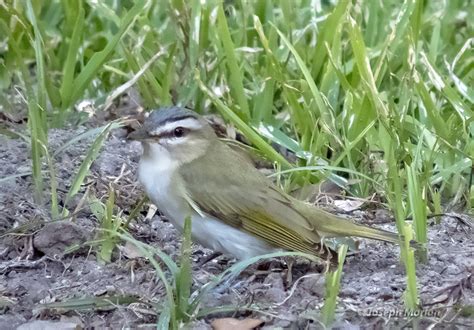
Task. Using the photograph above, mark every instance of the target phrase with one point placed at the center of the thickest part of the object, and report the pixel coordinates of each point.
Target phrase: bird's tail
(329, 225)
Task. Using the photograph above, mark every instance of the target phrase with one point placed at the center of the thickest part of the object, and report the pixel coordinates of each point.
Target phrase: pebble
(314, 284)
(452, 270)
(369, 299)
(349, 292)
(55, 237)
(275, 280)
(275, 295)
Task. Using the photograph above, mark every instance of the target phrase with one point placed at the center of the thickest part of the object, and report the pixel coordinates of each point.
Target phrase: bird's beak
(138, 135)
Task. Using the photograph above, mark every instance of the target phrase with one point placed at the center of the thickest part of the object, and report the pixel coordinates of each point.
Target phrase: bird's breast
(158, 177)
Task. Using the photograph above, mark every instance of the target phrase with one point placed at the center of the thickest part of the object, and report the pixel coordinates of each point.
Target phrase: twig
(14, 264)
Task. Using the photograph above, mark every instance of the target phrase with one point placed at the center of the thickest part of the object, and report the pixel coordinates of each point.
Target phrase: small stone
(432, 274)
(376, 277)
(314, 284)
(56, 237)
(100, 292)
(275, 280)
(386, 294)
(72, 319)
(349, 292)
(110, 289)
(452, 270)
(275, 295)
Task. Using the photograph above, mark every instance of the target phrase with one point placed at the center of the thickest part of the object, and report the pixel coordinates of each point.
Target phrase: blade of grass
(195, 32)
(335, 18)
(394, 181)
(411, 293)
(147, 84)
(227, 113)
(53, 184)
(122, 88)
(464, 112)
(136, 210)
(109, 224)
(86, 164)
(226, 276)
(81, 82)
(418, 208)
(235, 74)
(333, 282)
(466, 91)
(363, 64)
(169, 316)
(86, 135)
(148, 251)
(324, 111)
(97, 303)
(36, 123)
(164, 321)
(326, 168)
(433, 112)
(67, 88)
(303, 120)
(41, 91)
(184, 279)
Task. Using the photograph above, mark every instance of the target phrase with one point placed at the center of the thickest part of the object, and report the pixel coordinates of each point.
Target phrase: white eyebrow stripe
(189, 123)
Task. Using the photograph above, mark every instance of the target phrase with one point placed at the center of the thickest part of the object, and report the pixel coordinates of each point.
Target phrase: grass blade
(184, 279)
(324, 111)
(333, 282)
(83, 304)
(81, 82)
(41, 90)
(86, 164)
(363, 64)
(418, 208)
(411, 293)
(227, 113)
(235, 73)
(67, 88)
(109, 224)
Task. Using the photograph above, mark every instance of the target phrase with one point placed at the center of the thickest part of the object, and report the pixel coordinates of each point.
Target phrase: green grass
(333, 282)
(377, 91)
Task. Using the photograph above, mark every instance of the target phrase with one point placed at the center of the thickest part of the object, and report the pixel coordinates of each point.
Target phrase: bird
(187, 171)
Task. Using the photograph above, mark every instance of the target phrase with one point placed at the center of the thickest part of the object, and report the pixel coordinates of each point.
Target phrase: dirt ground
(34, 271)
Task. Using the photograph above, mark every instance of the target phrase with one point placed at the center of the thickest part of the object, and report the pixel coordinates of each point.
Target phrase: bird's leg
(289, 261)
(328, 256)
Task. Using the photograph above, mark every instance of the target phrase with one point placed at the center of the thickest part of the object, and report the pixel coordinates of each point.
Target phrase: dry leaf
(348, 205)
(230, 323)
(130, 251)
(151, 212)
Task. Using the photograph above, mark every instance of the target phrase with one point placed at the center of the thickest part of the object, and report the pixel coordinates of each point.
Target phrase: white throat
(155, 172)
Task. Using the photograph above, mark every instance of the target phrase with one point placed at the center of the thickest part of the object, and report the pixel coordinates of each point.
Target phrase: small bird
(187, 170)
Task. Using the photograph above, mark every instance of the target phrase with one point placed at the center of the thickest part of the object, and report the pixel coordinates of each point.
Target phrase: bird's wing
(243, 198)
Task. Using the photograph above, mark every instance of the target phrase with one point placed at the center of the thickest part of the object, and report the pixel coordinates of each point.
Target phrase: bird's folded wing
(253, 205)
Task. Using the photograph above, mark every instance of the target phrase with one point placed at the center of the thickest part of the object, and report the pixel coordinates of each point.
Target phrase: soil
(35, 270)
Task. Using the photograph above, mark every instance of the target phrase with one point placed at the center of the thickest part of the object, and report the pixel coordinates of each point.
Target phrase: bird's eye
(179, 132)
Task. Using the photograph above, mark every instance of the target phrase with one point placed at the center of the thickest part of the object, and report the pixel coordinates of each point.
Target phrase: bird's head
(175, 132)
